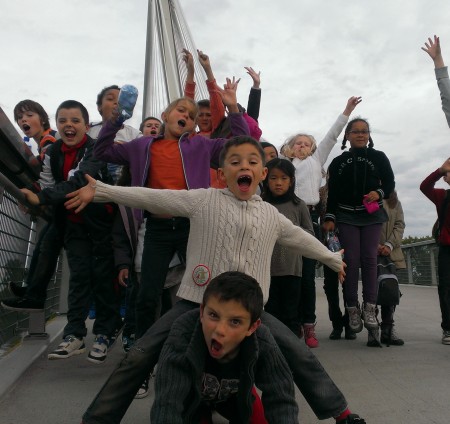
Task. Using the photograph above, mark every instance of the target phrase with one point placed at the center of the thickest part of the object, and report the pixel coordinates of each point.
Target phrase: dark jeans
(444, 285)
(331, 287)
(283, 299)
(163, 237)
(43, 262)
(113, 400)
(91, 263)
(130, 304)
(360, 244)
(307, 300)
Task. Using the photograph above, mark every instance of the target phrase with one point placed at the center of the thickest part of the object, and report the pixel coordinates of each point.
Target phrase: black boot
(337, 330)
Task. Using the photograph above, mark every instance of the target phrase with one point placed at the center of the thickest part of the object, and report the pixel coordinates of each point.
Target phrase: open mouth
(26, 127)
(69, 133)
(182, 123)
(216, 347)
(244, 182)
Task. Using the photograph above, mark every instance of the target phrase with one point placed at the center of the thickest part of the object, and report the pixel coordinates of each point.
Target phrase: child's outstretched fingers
(256, 76)
(81, 198)
(352, 102)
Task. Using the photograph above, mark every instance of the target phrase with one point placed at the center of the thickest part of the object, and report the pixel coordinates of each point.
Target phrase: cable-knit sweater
(227, 234)
(182, 360)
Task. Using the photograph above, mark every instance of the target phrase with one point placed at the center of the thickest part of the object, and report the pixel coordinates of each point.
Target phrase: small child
(87, 237)
(150, 126)
(230, 229)
(286, 265)
(217, 357)
(33, 120)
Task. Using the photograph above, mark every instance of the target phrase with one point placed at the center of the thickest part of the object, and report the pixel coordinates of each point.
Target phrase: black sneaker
(17, 289)
(336, 333)
(353, 419)
(23, 305)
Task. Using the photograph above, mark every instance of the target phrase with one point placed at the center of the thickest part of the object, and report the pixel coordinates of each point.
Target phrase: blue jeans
(114, 398)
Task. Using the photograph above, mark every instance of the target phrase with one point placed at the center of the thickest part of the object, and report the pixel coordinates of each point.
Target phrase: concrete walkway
(393, 385)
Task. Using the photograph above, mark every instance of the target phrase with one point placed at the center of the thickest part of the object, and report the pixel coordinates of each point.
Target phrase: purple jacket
(197, 153)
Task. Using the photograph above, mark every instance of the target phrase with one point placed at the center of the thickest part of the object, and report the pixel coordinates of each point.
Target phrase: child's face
(242, 170)
(109, 103)
(204, 119)
(30, 123)
(279, 182)
(151, 127)
(225, 325)
(358, 136)
(302, 147)
(71, 126)
(270, 153)
(179, 120)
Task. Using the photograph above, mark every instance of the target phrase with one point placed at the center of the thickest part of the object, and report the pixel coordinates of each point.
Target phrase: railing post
(409, 267)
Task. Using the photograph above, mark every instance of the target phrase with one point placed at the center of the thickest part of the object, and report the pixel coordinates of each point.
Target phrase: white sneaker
(446, 337)
(354, 319)
(70, 346)
(99, 350)
(370, 316)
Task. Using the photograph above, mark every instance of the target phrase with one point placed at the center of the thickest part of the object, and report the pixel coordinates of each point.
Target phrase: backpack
(437, 226)
(388, 289)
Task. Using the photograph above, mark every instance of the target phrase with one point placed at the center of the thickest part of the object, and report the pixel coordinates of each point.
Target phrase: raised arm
(189, 87)
(254, 98)
(326, 145)
(433, 48)
(216, 104)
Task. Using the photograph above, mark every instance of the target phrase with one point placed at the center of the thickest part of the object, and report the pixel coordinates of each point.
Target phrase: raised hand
(445, 167)
(352, 102)
(256, 77)
(228, 94)
(433, 48)
(188, 59)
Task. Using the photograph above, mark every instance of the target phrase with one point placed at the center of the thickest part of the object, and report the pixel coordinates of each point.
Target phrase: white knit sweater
(226, 234)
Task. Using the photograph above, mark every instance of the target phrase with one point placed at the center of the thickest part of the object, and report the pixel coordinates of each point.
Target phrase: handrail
(12, 189)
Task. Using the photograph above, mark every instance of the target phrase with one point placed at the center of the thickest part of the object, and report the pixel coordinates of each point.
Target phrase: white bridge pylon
(165, 70)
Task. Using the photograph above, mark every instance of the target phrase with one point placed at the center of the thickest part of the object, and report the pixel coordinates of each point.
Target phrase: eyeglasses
(363, 132)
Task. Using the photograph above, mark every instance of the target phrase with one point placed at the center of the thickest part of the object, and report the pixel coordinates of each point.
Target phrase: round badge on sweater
(201, 275)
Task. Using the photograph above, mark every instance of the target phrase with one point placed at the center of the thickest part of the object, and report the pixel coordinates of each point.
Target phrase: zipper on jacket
(182, 160)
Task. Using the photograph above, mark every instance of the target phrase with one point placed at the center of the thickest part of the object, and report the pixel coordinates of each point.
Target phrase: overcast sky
(313, 55)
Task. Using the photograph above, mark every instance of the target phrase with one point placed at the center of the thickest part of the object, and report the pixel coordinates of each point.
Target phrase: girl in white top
(309, 158)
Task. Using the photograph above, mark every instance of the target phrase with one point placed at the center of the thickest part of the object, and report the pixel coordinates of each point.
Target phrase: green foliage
(411, 239)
